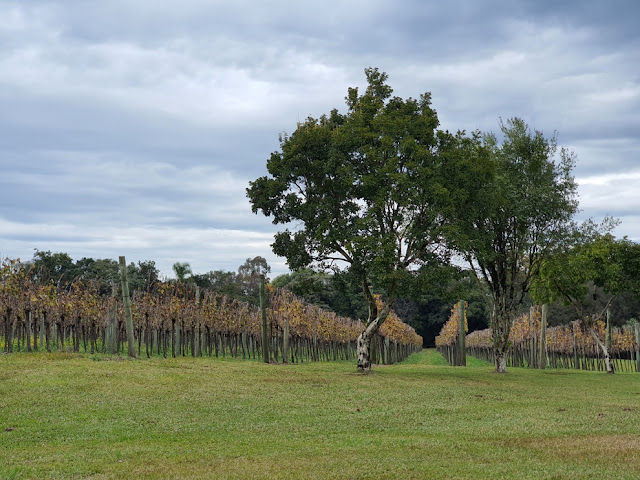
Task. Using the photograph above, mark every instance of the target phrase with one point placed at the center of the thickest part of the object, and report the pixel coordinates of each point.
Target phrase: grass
(81, 416)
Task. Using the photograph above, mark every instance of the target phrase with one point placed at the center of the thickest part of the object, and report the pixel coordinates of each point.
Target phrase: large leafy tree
(588, 273)
(359, 192)
(512, 202)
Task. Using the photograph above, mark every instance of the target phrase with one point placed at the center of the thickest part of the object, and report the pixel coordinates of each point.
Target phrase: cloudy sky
(133, 128)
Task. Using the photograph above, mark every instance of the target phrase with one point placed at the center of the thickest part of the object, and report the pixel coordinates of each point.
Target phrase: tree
(248, 278)
(103, 273)
(219, 281)
(360, 192)
(510, 204)
(182, 269)
(53, 267)
(149, 274)
(588, 273)
(335, 292)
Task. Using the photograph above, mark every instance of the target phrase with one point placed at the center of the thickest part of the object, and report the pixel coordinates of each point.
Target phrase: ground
(83, 416)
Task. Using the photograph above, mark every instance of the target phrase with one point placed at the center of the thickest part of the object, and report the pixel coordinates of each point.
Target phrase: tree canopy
(360, 192)
(588, 272)
(512, 202)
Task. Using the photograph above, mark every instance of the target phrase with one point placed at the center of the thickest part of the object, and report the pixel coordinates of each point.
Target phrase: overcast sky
(133, 128)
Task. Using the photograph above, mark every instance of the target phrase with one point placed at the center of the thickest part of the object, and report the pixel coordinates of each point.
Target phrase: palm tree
(182, 269)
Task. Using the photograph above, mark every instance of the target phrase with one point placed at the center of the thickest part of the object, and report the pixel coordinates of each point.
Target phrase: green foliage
(60, 269)
(248, 277)
(338, 292)
(361, 188)
(182, 270)
(512, 201)
(590, 270)
(220, 281)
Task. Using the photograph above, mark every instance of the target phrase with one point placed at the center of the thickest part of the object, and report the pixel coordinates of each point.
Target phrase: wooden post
(28, 330)
(543, 337)
(265, 329)
(178, 339)
(285, 341)
(112, 336)
(314, 344)
(575, 347)
(126, 300)
(462, 349)
(637, 332)
(42, 315)
(387, 348)
(531, 360)
(196, 333)
(608, 337)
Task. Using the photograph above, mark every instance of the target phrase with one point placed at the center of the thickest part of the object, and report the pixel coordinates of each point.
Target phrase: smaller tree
(53, 267)
(248, 277)
(182, 269)
(219, 281)
(511, 202)
(588, 273)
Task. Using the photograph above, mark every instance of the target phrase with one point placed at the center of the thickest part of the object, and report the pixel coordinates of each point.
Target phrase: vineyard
(565, 346)
(180, 320)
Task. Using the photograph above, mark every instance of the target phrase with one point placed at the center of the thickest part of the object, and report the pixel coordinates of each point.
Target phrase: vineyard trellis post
(532, 339)
(126, 300)
(28, 330)
(285, 341)
(608, 337)
(462, 350)
(543, 337)
(112, 328)
(637, 332)
(196, 333)
(263, 313)
(41, 332)
(575, 346)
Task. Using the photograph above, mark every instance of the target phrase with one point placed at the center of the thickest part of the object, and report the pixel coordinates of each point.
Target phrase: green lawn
(72, 416)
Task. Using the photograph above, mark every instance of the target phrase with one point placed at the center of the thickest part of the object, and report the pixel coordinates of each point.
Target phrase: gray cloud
(134, 127)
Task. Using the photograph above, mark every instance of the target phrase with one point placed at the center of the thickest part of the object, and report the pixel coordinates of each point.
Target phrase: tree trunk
(501, 362)
(364, 341)
(605, 351)
(501, 326)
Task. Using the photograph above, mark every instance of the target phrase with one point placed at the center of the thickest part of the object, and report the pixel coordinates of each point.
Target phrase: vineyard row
(565, 346)
(179, 323)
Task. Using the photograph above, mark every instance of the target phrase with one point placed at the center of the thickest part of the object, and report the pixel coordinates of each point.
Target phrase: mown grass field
(78, 416)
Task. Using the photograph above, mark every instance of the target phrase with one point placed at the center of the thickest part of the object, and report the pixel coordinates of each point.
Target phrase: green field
(82, 416)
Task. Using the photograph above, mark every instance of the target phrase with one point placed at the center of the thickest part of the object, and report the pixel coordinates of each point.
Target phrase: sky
(133, 128)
